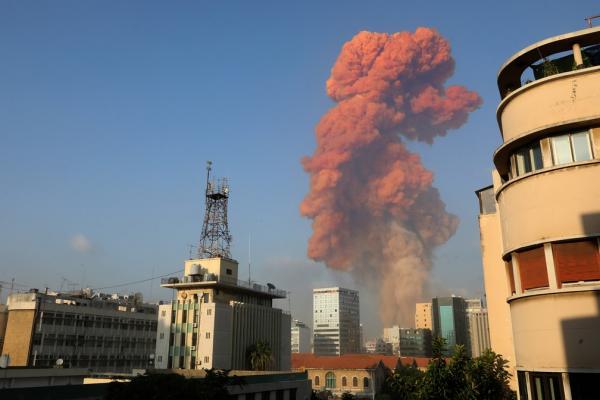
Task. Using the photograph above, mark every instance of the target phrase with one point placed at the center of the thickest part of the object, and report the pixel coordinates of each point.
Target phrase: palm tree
(260, 356)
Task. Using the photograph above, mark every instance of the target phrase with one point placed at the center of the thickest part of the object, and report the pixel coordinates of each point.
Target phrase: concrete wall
(17, 342)
(163, 330)
(497, 290)
(557, 331)
(551, 205)
(572, 97)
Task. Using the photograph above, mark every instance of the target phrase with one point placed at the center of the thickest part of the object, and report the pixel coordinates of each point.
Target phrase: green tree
(403, 382)
(260, 356)
(174, 387)
(489, 377)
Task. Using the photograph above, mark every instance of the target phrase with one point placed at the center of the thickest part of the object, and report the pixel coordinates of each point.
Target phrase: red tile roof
(303, 361)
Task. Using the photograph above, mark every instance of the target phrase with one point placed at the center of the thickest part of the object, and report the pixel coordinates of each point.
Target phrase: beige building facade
(540, 220)
(423, 316)
(477, 327)
(216, 318)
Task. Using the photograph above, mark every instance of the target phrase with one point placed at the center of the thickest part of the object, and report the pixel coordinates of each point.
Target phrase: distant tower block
(215, 240)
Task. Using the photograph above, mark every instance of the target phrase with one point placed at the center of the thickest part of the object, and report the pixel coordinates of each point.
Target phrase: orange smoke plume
(373, 206)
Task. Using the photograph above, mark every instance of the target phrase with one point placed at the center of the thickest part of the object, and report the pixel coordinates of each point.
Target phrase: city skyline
(105, 135)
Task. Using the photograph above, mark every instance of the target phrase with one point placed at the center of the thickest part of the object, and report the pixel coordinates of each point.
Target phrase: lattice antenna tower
(215, 240)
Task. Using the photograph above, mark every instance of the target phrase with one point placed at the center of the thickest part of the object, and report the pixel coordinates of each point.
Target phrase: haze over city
(109, 111)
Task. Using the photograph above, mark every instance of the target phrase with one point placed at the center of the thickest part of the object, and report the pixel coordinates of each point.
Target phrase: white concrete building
(216, 318)
(301, 335)
(391, 335)
(336, 321)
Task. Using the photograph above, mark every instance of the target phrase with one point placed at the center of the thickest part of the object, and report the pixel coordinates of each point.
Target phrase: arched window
(344, 381)
(317, 383)
(355, 381)
(366, 382)
(330, 380)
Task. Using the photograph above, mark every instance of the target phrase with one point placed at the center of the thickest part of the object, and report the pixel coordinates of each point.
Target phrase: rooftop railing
(226, 280)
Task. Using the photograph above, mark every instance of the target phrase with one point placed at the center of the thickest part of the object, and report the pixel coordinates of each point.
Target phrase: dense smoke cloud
(372, 203)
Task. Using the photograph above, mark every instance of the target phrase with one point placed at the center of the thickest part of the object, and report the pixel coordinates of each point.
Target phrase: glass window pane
(536, 156)
(522, 163)
(561, 149)
(538, 388)
(581, 146)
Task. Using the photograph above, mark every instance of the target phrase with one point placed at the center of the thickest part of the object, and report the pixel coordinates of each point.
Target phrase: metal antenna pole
(249, 260)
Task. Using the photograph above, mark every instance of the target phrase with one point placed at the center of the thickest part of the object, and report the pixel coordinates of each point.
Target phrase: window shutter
(576, 261)
(532, 268)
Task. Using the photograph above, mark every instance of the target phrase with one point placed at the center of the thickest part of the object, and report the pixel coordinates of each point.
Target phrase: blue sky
(109, 110)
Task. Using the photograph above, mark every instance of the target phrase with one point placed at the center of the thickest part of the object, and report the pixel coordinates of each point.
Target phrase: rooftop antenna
(215, 240)
(249, 258)
(589, 20)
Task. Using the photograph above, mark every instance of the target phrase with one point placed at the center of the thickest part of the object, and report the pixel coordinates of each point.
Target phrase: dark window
(522, 385)
(576, 261)
(584, 386)
(355, 381)
(344, 381)
(532, 268)
(317, 381)
(546, 386)
(366, 382)
(228, 271)
(528, 158)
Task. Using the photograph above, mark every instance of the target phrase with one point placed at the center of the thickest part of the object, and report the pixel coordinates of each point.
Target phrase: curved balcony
(551, 204)
(570, 99)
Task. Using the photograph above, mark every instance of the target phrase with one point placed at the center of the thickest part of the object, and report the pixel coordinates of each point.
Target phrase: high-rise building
(378, 346)
(336, 321)
(449, 321)
(104, 333)
(415, 342)
(477, 327)
(423, 317)
(301, 337)
(216, 318)
(540, 220)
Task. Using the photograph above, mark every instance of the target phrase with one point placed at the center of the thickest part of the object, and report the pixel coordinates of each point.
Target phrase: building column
(577, 55)
(516, 274)
(552, 283)
(566, 383)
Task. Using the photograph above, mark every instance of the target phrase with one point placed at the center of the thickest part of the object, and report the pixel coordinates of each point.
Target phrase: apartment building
(80, 330)
(216, 318)
(336, 321)
(540, 219)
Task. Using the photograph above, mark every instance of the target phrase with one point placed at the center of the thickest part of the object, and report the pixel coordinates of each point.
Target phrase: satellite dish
(59, 362)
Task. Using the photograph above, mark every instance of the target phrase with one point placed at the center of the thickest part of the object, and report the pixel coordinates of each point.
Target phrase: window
(571, 147)
(163, 313)
(546, 386)
(208, 335)
(206, 359)
(209, 312)
(532, 268)
(159, 359)
(162, 336)
(366, 382)
(344, 381)
(317, 381)
(228, 271)
(355, 381)
(330, 380)
(576, 261)
(528, 158)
